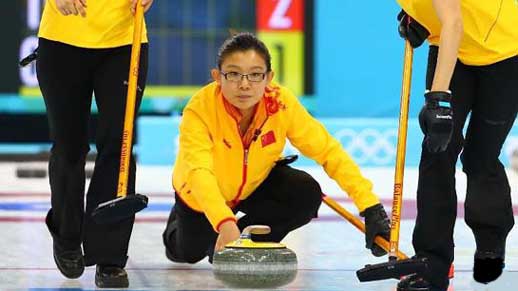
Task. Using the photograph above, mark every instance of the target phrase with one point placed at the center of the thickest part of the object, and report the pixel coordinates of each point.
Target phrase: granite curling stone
(248, 264)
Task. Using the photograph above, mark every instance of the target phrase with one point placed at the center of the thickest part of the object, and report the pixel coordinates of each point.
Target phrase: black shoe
(488, 266)
(70, 263)
(168, 234)
(415, 282)
(111, 277)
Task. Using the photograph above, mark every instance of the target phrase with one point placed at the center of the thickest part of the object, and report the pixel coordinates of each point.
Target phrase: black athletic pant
(68, 76)
(490, 94)
(286, 200)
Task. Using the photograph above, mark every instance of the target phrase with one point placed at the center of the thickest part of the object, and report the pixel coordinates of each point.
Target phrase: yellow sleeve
(312, 139)
(196, 150)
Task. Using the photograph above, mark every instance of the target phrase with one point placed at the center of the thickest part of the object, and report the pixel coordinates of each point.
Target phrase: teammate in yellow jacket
(472, 69)
(232, 136)
(85, 48)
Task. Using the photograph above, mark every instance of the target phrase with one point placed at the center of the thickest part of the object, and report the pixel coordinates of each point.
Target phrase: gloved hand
(376, 223)
(411, 30)
(436, 120)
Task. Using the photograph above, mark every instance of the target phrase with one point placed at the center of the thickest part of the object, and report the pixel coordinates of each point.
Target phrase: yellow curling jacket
(490, 28)
(108, 24)
(216, 167)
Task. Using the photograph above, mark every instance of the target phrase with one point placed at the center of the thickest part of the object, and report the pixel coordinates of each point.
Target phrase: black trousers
(68, 76)
(286, 200)
(490, 95)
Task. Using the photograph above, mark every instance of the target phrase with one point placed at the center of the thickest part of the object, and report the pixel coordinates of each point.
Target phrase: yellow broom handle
(127, 134)
(358, 224)
(400, 153)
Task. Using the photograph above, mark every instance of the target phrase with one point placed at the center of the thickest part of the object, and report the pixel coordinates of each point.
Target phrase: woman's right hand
(228, 232)
(71, 7)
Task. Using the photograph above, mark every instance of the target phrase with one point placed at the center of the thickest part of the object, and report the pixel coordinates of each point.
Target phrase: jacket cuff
(366, 202)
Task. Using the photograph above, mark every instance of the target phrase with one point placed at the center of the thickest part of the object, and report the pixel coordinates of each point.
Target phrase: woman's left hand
(146, 3)
(228, 232)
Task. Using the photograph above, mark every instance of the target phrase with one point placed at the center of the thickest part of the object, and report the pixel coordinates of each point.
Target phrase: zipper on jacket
(235, 201)
(246, 148)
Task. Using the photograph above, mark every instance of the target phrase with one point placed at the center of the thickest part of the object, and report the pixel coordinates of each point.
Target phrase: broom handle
(400, 153)
(127, 134)
(380, 241)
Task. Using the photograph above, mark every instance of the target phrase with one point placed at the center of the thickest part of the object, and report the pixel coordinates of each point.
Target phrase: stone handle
(254, 229)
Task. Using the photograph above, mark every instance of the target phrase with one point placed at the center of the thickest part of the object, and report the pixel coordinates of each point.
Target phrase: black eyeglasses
(237, 77)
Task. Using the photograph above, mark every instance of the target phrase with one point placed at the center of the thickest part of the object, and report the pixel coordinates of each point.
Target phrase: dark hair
(244, 41)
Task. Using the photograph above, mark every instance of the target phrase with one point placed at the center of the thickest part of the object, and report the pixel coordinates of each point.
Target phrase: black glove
(411, 30)
(376, 223)
(436, 120)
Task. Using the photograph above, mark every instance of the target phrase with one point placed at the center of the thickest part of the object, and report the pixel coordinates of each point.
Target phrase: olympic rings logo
(369, 145)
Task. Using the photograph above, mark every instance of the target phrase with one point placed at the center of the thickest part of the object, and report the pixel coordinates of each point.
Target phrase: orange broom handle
(358, 223)
(400, 153)
(127, 134)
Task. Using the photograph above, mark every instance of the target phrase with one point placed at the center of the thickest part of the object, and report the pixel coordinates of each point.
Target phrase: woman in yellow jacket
(472, 70)
(232, 135)
(84, 48)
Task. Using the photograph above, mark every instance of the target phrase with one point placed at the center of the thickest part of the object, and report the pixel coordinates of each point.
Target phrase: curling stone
(249, 264)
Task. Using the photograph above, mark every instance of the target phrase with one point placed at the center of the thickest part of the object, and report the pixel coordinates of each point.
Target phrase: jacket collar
(267, 106)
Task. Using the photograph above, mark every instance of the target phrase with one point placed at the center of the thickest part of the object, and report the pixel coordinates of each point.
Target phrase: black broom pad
(392, 269)
(119, 209)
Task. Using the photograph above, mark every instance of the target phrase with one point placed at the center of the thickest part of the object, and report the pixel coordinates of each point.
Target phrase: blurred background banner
(185, 36)
(370, 141)
(9, 80)
(286, 27)
(342, 58)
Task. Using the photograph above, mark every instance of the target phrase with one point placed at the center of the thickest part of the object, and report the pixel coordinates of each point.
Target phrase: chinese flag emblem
(267, 138)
